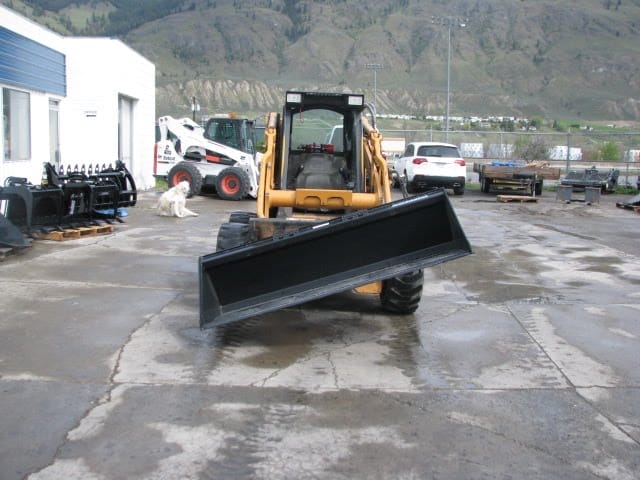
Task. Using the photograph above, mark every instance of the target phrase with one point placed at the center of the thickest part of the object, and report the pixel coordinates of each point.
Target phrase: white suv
(432, 164)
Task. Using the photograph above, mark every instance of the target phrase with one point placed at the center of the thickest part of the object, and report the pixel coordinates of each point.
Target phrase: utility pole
(375, 67)
(449, 22)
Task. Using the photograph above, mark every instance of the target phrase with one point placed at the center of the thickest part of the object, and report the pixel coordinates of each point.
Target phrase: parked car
(432, 164)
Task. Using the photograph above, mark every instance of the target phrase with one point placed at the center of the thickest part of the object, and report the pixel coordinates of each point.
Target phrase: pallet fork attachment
(331, 257)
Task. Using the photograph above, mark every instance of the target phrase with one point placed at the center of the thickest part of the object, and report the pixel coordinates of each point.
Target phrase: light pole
(446, 128)
(195, 107)
(375, 67)
(449, 22)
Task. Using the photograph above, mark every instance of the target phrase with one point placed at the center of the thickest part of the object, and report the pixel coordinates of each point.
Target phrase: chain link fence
(569, 150)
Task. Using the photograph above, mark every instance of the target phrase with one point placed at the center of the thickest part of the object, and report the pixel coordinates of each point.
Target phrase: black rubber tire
(538, 189)
(411, 188)
(186, 171)
(241, 217)
(232, 235)
(402, 294)
(458, 191)
(232, 184)
(485, 185)
(610, 186)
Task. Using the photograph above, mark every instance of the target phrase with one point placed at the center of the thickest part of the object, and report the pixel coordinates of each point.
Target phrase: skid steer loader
(221, 155)
(325, 221)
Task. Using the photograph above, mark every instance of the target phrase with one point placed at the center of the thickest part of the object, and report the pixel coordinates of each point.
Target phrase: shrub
(530, 150)
(609, 152)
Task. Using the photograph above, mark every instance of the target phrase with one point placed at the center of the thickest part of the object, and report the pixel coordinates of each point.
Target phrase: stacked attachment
(75, 198)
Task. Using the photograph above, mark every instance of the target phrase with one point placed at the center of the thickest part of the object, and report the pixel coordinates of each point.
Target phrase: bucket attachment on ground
(28, 205)
(70, 198)
(338, 255)
(11, 236)
(605, 180)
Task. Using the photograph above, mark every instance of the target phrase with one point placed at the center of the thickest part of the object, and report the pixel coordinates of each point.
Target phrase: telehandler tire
(232, 235)
(184, 171)
(232, 184)
(402, 294)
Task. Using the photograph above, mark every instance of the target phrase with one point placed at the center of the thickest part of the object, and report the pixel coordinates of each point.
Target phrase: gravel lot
(522, 361)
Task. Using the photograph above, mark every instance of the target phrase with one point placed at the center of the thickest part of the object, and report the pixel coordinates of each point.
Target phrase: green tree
(507, 125)
(559, 126)
(609, 152)
(536, 121)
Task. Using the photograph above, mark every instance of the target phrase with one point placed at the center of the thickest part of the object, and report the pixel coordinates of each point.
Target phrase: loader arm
(325, 220)
(380, 173)
(267, 166)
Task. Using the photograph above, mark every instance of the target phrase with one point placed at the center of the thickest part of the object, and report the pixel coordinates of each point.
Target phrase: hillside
(572, 59)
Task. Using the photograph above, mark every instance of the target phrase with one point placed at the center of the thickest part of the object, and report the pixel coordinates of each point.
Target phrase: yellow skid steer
(325, 221)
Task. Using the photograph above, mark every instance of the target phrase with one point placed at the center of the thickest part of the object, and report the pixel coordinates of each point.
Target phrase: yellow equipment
(325, 221)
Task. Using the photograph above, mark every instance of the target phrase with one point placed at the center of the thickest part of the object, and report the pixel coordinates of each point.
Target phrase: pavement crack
(116, 368)
(447, 417)
(453, 279)
(107, 396)
(272, 375)
(616, 425)
(573, 387)
(334, 371)
(540, 346)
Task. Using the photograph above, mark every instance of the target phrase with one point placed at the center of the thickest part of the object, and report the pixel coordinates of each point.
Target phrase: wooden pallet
(74, 233)
(6, 252)
(635, 208)
(516, 198)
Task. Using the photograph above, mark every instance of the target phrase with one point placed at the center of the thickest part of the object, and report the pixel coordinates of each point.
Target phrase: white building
(393, 147)
(472, 150)
(500, 150)
(559, 152)
(632, 156)
(72, 101)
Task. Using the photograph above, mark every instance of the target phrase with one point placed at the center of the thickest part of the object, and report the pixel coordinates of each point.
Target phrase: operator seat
(321, 171)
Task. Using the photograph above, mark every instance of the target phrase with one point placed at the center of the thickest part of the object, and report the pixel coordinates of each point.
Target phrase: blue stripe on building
(31, 65)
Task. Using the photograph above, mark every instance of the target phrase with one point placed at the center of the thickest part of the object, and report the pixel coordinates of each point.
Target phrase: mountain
(575, 59)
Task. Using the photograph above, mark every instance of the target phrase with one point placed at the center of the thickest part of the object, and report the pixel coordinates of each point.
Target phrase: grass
(626, 190)
(80, 15)
(161, 184)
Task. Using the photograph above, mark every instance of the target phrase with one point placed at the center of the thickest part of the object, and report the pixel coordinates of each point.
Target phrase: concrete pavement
(521, 362)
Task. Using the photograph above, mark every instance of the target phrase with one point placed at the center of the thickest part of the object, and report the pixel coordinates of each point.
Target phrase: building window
(16, 119)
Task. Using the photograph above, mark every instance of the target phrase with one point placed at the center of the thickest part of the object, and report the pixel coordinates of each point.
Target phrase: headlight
(294, 97)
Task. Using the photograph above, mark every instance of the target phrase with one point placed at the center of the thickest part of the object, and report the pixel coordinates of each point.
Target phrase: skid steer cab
(325, 221)
(221, 156)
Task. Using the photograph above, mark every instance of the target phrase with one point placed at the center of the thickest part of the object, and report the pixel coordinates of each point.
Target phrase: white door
(125, 131)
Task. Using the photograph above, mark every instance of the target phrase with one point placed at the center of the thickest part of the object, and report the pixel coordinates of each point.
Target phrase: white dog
(173, 202)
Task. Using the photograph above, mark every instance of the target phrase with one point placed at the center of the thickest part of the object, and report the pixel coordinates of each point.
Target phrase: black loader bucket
(327, 258)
